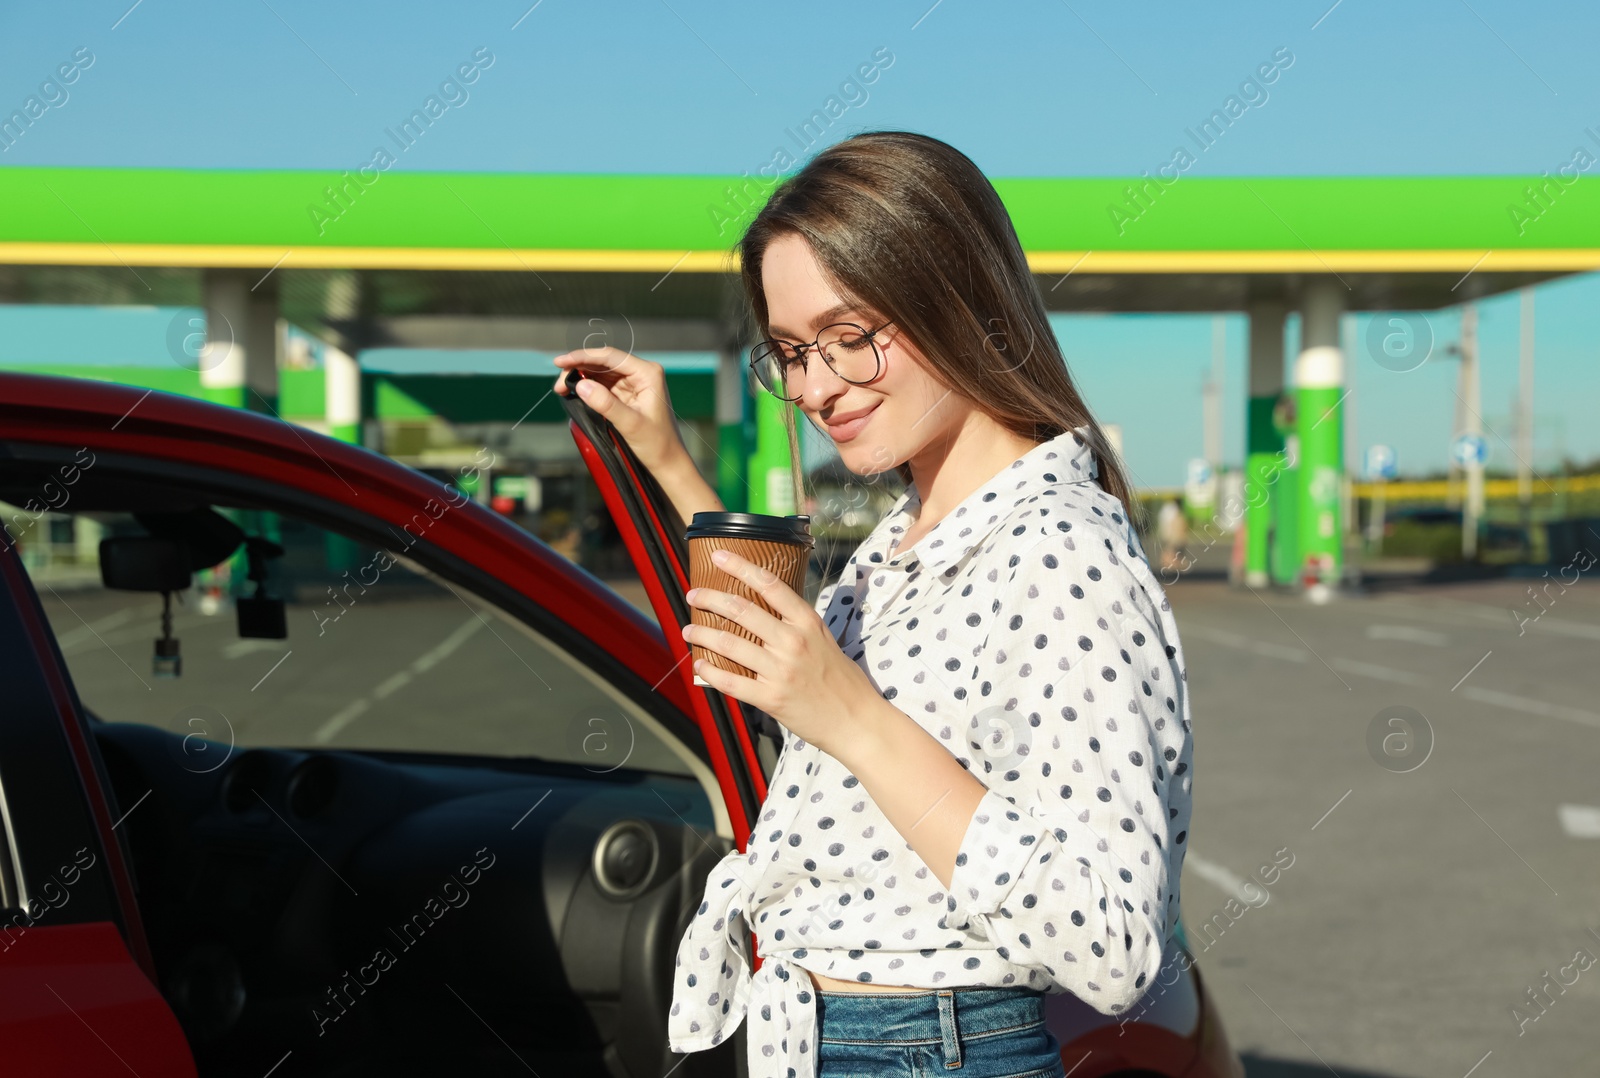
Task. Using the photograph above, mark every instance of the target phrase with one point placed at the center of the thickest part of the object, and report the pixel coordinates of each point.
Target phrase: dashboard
(324, 896)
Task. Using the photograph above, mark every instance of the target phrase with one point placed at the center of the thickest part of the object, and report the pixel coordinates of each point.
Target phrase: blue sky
(1031, 88)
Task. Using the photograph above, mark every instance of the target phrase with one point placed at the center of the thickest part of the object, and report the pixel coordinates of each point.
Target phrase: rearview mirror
(150, 563)
(144, 563)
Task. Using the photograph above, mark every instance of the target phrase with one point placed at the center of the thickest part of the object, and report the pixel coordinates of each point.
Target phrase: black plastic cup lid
(723, 525)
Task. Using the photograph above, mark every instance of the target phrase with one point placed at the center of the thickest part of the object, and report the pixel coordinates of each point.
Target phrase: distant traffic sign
(1469, 449)
(1200, 490)
(1381, 462)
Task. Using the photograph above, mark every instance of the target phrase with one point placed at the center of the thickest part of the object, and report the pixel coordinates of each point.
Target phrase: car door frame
(653, 534)
(88, 950)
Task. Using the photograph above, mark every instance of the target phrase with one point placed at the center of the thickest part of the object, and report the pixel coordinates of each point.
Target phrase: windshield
(380, 655)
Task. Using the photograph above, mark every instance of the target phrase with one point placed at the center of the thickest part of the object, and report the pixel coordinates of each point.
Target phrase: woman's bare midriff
(834, 984)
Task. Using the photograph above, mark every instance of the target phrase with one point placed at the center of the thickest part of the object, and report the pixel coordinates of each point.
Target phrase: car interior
(382, 812)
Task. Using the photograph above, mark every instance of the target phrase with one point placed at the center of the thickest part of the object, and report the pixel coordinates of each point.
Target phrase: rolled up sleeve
(1079, 728)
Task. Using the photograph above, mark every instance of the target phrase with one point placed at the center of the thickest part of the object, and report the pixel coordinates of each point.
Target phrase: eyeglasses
(848, 349)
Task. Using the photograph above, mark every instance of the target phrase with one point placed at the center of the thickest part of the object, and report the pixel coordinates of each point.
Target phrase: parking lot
(1422, 762)
(1430, 891)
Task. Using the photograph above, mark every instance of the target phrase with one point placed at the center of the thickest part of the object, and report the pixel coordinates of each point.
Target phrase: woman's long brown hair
(907, 227)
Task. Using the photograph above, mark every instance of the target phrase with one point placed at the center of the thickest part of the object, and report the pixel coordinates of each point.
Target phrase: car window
(380, 655)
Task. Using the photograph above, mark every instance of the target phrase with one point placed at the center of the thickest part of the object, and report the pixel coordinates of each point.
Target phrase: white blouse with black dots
(1027, 633)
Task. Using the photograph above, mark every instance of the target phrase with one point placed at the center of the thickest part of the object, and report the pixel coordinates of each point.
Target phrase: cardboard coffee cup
(781, 544)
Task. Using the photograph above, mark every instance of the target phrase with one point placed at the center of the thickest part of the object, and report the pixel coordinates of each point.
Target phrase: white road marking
(1244, 643)
(1556, 625)
(97, 636)
(1219, 877)
(1458, 609)
(1408, 634)
(1376, 672)
(182, 623)
(1532, 707)
(393, 685)
(1580, 821)
(1397, 677)
(349, 715)
(240, 648)
(86, 633)
(448, 645)
(423, 663)
(1483, 696)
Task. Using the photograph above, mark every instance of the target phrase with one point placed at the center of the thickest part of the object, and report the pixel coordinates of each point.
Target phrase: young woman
(984, 791)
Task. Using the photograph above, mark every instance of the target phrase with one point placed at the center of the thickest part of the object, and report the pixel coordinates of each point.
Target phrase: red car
(310, 765)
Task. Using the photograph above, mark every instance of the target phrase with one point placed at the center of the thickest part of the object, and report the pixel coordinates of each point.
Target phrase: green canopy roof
(1201, 242)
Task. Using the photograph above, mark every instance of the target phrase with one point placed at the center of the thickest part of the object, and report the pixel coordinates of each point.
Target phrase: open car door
(78, 989)
(653, 535)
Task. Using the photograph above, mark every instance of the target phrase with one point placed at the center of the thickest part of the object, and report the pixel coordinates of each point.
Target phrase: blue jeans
(963, 1032)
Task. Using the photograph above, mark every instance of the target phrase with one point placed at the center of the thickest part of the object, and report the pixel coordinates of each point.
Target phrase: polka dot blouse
(1027, 633)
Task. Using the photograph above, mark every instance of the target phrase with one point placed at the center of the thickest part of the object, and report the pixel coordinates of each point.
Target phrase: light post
(1468, 448)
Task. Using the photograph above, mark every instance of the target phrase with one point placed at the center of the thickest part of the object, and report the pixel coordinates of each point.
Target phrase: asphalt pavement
(1396, 832)
(1429, 757)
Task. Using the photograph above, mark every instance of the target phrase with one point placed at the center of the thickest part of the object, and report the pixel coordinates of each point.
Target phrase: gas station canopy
(648, 263)
(369, 255)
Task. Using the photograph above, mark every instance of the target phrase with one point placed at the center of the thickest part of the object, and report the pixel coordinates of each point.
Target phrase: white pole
(244, 340)
(1376, 525)
(341, 375)
(1458, 425)
(1212, 415)
(1525, 410)
(1473, 423)
(1352, 436)
(224, 358)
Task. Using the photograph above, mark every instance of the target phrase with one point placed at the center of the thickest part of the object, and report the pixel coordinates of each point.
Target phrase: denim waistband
(926, 1017)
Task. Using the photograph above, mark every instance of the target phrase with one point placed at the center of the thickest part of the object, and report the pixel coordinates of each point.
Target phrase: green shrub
(1410, 539)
